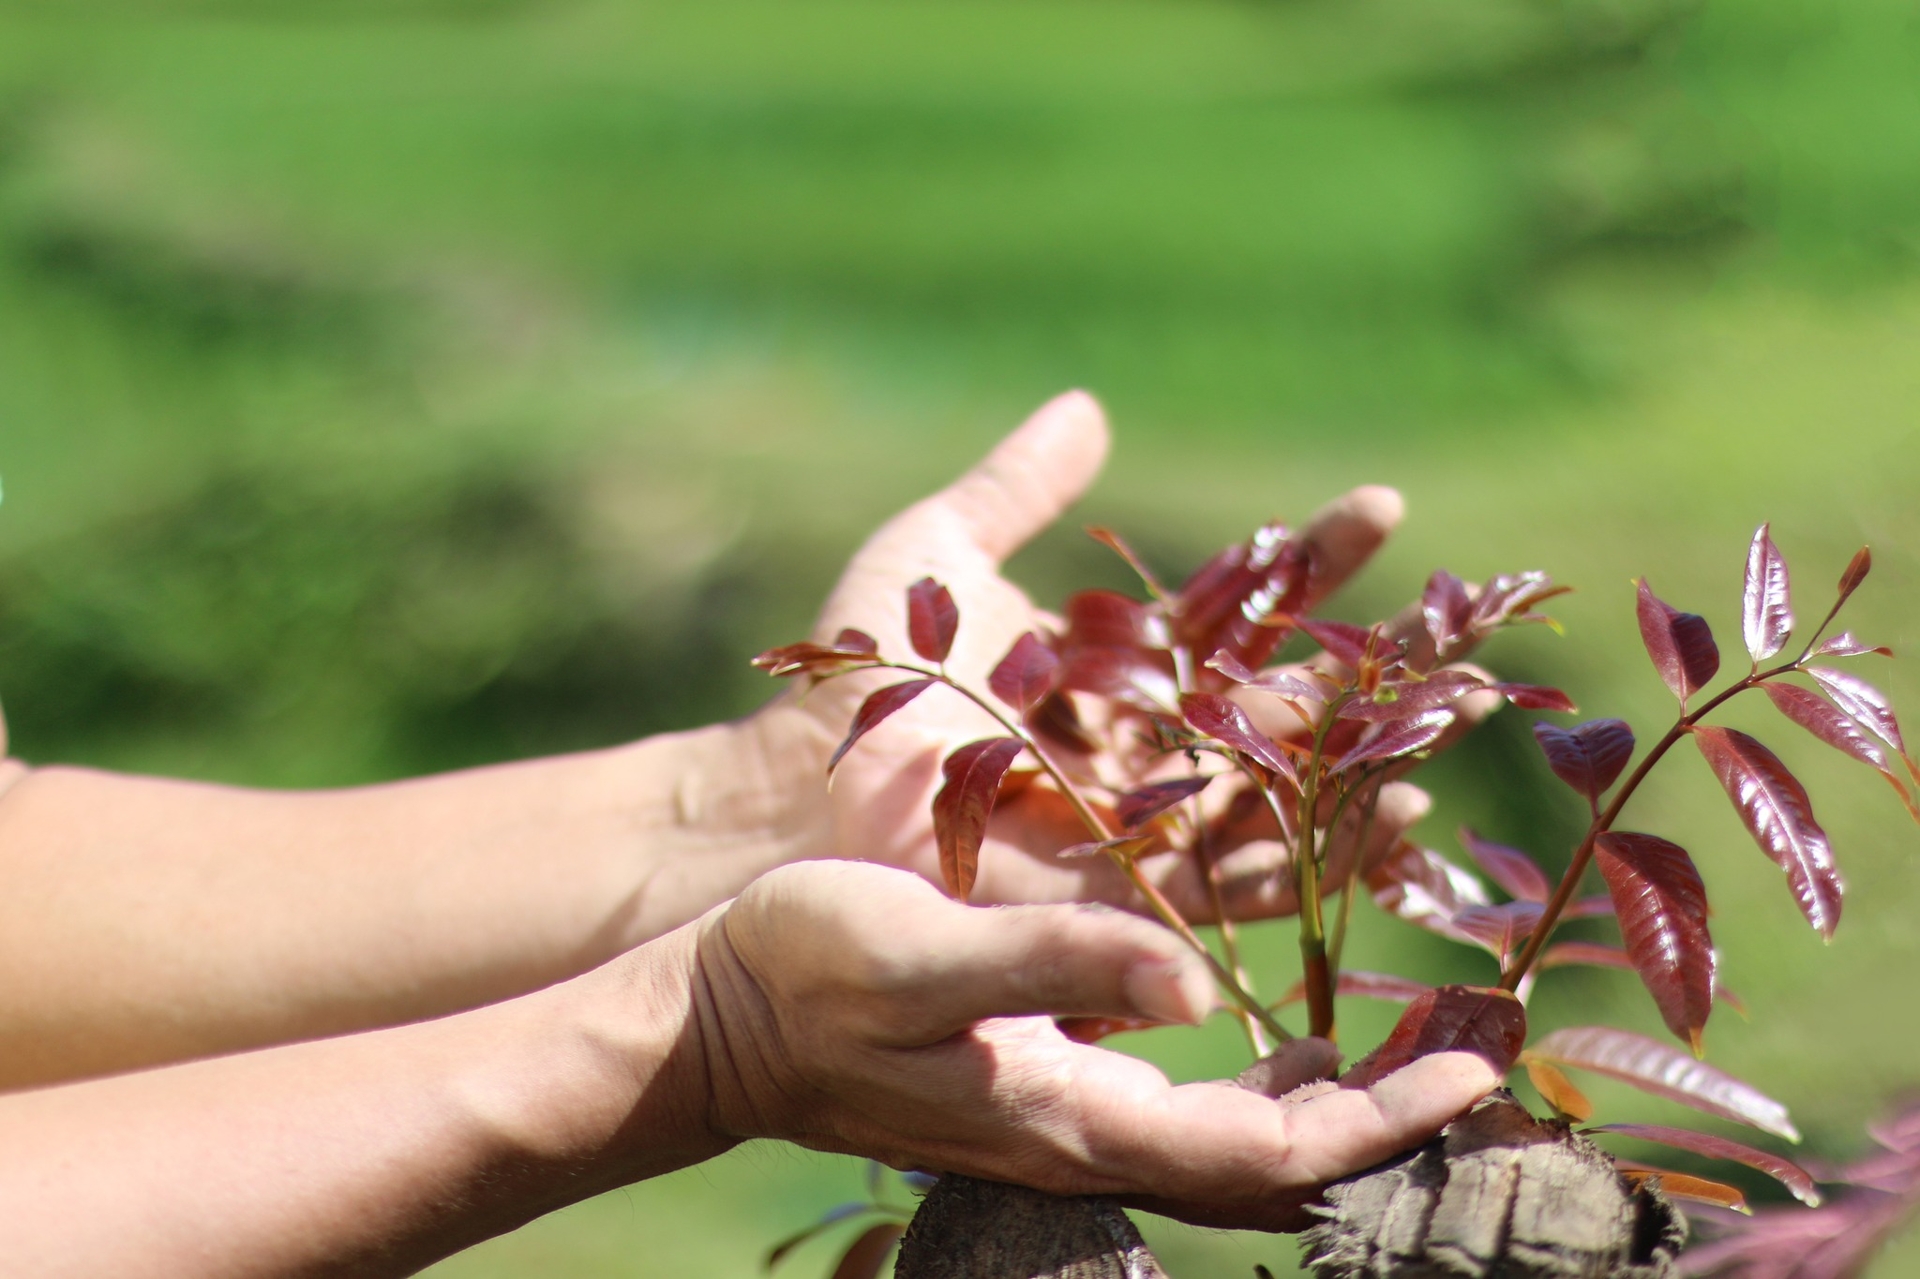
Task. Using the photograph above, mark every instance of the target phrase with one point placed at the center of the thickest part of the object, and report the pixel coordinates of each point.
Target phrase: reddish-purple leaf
(1404, 737)
(1592, 953)
(1422, 887)
(932, 619)
(1596, 907)
(1589, 756)
(1857, 569)
(867, 1255)
(1363, 985)
(1138, 807)
(1777, 812)
(1499, 929)
(1279, 683)
(848, 647)
(1680, 644)
(1344, 642)
(1766, 617)
(1107, 619)
(1446, 608)
(1091, 1030)
(1218, 718)
(1229, 603)
(1026, 674)
(1785, 1171)
(1846, 644)
(1664, 1071)
(1817, 716)
(1125, 844)
(879, 704)
(961, 809)
(1510, 868)
(1488, 1022)
(1509, 596)
(1662, 907)
(1139, 677)
(1403, 699)
(1536, 697)
(1862, 701)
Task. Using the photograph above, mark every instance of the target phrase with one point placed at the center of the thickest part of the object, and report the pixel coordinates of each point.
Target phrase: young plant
(1163, 725)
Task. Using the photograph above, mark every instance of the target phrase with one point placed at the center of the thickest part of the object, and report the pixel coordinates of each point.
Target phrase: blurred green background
(392, 385)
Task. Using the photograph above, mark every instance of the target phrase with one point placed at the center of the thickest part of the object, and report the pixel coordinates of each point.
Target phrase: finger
(1030, 477)
(968, 964)
(1298, 1061)
(1343, 535)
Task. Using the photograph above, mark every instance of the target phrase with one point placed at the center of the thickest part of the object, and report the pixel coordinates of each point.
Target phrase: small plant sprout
(1163, 724)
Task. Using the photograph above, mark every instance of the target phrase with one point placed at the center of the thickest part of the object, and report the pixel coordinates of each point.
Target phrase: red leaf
(1228, 603)
(1446, 608)
(1510, 595)
(848, 647)
(1269, 681)
(1596, 954)
(1026, 674)
(1778, 814)
(1397, 739)
(1536, 697)
(1136, 676)
(1403, 699)
(1588, 907)
(867, 1255)
(1845, 644)
(1662, 907)
(1656, 1068)
(1499, 929)
(1766, 617)
(1488, 1022)
(1108, 619)
(879, 704)
(1814, 714)
(1680, 644)
(1862, 701)
(1785, 1171)
(1857, 569)
(932, 619)
(961, 809)
(1218, 718)
(1422, 887)
(1138, 807)
(1344, 642)
(1363, 985)
(1589, 756)
(1091, 1030)
(1510, 868)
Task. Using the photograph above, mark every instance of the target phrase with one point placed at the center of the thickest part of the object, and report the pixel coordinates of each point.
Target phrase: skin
(449, 1005)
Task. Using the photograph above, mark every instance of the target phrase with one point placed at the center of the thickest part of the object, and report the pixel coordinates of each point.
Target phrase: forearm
(373, 1154)
(145, 921)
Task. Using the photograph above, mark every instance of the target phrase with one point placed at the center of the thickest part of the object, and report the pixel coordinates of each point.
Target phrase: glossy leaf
(1398, 739)
(1139, 677)
(1230, 600)
(1766, 615)
(1785, 1171)
(1403, 699)
(1595, 907)
(1138, 807)
(1510, 868)
(1107, 619)
(1815, 714)
(1680, 644)
(1057, 719)
(1446, 608)
(1499, 929)
(933, 619)
(1536, 697)
(1026, 674)
(1595, 954)
(867, 1255)
(848, 647)
(1862, 701)
(832, 1217)
(1588, 757)
(1124, 844)
(961, 809)
(1857, 569)
(1684, 1186)
(1511, 597)
(1422, 887)
(1278, 683)
(1363, 985)
(1663, 1071)
(1482, 1020)
(1846, 644)
(1556, 1089)
(1662, 908)
(1343, 641)
(1779, 816)
(879, 704)
(1217, 717)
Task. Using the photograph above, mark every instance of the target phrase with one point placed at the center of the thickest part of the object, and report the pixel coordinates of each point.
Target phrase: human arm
(844, 1006)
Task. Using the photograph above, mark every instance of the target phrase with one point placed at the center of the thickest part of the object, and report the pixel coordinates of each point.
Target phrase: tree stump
(1498, 1195)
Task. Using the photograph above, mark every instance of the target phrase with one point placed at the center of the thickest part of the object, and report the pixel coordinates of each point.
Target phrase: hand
(961, 536)
(856, 1009)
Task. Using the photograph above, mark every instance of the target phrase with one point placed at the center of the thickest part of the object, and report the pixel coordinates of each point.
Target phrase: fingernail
(1178, 990)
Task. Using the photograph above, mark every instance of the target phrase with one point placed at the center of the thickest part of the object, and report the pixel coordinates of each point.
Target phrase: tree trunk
(1498, 1195)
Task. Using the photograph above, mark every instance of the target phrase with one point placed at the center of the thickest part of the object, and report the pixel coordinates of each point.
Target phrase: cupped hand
(854, 1008)
(961, 536)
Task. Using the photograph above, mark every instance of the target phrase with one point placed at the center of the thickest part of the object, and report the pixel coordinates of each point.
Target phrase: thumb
(1030, 477)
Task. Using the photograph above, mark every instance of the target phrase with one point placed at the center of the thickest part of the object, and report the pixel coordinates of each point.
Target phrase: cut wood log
(971, 1229)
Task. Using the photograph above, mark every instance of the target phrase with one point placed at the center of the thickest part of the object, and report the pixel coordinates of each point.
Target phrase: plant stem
(1155, 899)
(1352, 885)
(1229, 935)
(1306, 886)
(1603, 820)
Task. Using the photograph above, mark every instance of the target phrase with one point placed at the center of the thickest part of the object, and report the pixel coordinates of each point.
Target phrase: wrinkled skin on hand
(961, 536)
(854, 1008)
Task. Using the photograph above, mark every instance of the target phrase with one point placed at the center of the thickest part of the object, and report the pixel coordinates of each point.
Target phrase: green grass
(393, 387)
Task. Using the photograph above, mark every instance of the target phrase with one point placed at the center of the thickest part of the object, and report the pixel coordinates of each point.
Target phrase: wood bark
(1498, 1195)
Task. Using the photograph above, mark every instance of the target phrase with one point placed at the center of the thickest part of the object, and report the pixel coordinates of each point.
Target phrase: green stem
(1314, 971)
(1352, 885)
(1229, 935)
